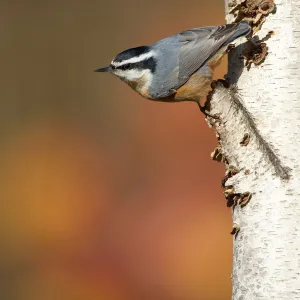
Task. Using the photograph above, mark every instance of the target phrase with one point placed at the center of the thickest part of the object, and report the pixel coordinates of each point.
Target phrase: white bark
(266, 105)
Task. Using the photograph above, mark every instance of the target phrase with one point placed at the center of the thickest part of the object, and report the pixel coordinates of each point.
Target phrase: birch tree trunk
(259, 136)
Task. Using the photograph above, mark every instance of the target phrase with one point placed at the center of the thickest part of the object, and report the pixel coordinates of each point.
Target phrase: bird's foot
(230, 47)
(207, 113)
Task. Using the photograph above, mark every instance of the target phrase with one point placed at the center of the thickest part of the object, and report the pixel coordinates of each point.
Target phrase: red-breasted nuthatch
(177, 68)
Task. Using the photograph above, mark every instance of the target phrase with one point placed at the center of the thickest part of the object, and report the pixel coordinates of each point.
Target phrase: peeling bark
(259, 140)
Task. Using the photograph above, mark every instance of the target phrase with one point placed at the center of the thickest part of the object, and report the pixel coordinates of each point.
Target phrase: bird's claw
(230, 47)
(207, 113)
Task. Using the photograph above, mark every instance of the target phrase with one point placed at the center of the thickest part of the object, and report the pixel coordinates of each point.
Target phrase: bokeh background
(104, 195)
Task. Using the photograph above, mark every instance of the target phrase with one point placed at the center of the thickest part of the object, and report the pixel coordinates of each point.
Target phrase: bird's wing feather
(195, 48)
(198, 46)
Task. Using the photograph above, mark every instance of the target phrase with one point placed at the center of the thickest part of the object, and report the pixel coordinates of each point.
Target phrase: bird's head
(133, 65)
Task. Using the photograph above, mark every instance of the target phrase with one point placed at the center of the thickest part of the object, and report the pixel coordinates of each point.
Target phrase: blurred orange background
(105, 195)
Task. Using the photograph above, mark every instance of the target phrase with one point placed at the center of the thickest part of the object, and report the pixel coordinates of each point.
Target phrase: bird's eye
(112, 67)
(125, 67)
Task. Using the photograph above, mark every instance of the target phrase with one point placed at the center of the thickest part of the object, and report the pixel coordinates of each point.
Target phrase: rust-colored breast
(199, 83)
(196, 87)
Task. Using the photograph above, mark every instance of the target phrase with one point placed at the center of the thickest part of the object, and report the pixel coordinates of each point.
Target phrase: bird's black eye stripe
(149, 64)
(125, 67)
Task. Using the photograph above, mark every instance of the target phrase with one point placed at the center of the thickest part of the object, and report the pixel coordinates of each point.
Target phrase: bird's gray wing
(200, 44)
(188, 51)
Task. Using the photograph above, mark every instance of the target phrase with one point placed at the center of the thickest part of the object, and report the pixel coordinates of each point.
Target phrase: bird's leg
(206, 112)
(230, 47)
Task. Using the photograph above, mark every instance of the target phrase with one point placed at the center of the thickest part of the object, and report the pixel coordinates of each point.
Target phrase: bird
(180, 67)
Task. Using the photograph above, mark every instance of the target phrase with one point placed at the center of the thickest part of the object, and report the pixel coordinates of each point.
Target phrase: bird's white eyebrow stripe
(134, 59)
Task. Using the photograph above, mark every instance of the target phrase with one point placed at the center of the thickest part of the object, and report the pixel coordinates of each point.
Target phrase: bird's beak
(106, 69)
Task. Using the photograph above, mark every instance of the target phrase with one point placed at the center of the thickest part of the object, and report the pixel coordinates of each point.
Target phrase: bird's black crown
(132, 52)
(147, 63)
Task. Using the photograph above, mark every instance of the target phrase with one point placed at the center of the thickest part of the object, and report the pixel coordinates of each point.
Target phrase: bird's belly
(196, 87)
(199, 83)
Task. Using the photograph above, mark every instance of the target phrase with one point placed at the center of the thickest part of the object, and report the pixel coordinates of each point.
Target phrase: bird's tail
(239, 29)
